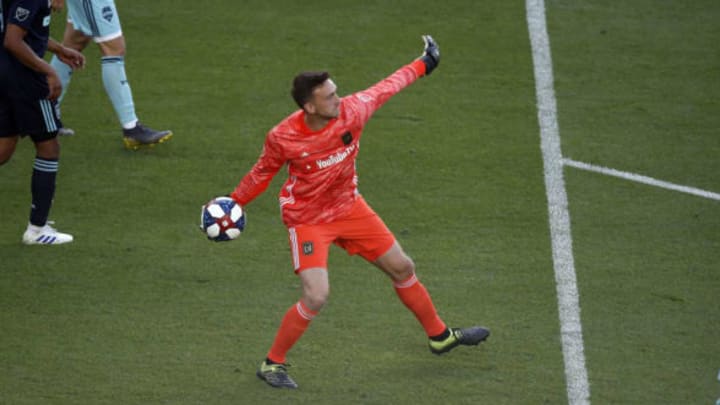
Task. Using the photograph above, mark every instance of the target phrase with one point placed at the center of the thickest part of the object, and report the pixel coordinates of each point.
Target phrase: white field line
(578, 388)
(641, 179)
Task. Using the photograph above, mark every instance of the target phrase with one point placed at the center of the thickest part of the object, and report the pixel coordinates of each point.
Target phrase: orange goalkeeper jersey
(322, 181)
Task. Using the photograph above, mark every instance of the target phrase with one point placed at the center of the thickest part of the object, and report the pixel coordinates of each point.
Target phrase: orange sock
(293, 325)
(416, 298)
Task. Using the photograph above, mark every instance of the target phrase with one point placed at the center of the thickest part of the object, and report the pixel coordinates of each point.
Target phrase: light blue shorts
(98, 19)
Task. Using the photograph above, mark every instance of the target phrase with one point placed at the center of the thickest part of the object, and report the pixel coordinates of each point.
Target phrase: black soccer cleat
(141, 136)
(472, 336)
(275, 375)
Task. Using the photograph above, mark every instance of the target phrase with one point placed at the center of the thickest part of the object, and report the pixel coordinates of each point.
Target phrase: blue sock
(65, 73)
(118, 88)
(42, 187)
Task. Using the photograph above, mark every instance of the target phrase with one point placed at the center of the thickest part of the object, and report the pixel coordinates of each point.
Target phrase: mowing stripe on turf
(641, 179)
(578, 388)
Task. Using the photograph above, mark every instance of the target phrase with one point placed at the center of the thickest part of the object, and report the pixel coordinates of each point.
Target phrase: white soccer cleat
(45, 235)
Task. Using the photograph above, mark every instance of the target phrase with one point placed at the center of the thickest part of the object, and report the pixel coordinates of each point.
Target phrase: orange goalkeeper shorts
(361, 232)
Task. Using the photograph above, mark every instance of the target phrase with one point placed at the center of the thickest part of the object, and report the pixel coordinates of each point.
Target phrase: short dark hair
(305, 83)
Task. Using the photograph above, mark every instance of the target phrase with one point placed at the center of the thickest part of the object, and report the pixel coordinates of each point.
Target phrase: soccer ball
(222, 219)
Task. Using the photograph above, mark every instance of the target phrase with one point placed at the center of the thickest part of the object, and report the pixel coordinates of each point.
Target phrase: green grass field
(141, 309)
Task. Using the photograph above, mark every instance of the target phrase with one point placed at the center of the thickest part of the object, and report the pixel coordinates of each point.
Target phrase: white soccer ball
(222, 219)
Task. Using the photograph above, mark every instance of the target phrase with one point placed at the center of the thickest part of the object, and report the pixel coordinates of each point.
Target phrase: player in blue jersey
(29, 87)
(98, 20)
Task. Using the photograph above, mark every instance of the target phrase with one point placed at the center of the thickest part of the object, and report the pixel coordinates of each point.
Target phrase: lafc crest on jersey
(307, 248)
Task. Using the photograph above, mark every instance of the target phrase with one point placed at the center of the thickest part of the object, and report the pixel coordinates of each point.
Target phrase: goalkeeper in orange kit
(321, 205)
